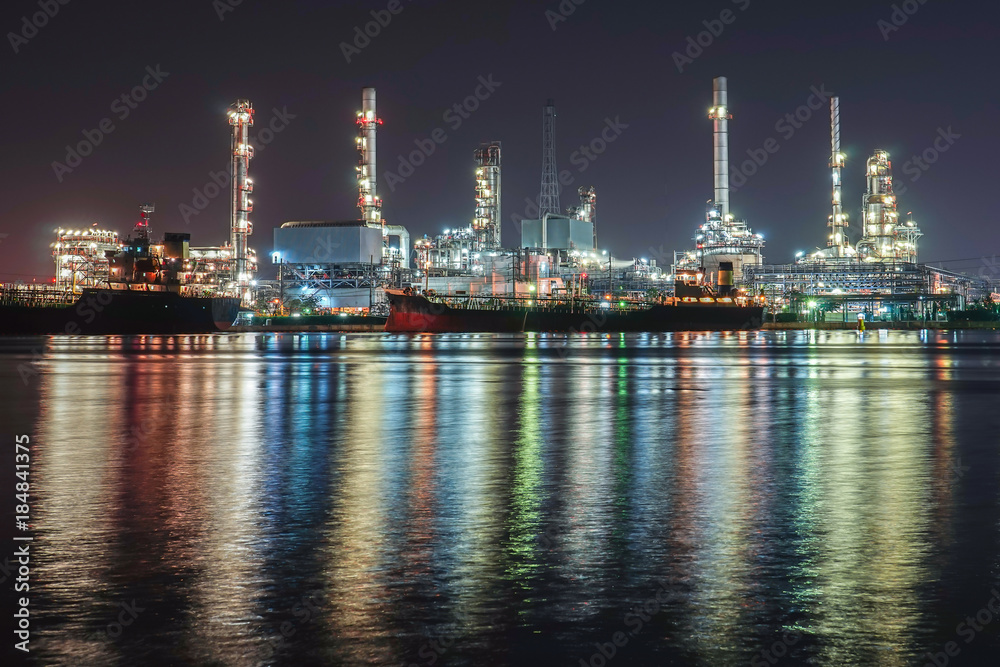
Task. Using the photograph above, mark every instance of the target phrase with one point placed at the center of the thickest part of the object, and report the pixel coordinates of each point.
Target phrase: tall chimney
(719, 113)
(368, 122)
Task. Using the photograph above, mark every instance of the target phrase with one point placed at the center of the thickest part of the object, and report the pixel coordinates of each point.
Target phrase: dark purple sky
(605, 60)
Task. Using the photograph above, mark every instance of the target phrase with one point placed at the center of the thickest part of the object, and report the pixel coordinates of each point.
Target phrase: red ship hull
(417, 314)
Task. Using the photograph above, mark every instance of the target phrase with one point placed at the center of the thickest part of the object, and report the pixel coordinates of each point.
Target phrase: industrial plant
(879, 276)
(85, 258)
(346, 265)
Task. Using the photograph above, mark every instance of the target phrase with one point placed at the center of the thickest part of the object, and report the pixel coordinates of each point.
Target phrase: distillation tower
(886, 239)
(487, 221)
(241, 120)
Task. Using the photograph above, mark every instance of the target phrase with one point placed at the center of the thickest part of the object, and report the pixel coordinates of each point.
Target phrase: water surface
(703, 499)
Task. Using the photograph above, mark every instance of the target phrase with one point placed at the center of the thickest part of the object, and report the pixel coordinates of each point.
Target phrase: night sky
(900, 90)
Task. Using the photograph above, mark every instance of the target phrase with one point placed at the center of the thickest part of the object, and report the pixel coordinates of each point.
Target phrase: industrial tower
(587, 210)
(548, 197)
(838, 243)
(722, 238)
(368, 201)
(487, 221)
(241, 118)
(720, 116)
(885, 238)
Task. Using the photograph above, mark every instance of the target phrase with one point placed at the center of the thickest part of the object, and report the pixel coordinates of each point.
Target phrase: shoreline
(768, 326)
(870, 326)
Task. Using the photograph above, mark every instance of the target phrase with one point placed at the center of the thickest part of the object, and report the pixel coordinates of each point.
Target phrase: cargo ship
(141, 294)
(27, 312)
(693, 307)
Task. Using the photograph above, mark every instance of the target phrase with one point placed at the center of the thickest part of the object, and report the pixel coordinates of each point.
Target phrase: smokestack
(368, 109)
(368, 122)
(725, 284)
(719, 113)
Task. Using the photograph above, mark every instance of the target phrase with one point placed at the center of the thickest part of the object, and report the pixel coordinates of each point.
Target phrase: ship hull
(416, 314)
(121, 312)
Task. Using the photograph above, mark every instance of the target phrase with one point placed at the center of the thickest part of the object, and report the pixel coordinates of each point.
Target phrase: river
(754, 498)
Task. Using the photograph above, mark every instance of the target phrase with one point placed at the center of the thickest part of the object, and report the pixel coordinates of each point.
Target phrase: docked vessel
(113, 311)
(140, 291)
(694, 307)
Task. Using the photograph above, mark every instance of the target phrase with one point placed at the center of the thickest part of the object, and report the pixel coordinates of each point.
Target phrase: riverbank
(366, 327)
(308, 323)
(871, 326)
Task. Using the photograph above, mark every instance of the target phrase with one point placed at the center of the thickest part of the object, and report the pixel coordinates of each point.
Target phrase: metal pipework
(404, 242)
(719, 113)
(588, 208)
(838, 221)
(241, 118)
(487, 221)
(879, 207)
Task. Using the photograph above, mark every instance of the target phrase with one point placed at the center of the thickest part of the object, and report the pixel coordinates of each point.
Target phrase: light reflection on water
(481, 499)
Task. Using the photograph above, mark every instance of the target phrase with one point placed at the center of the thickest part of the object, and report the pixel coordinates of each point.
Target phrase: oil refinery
(346, 265)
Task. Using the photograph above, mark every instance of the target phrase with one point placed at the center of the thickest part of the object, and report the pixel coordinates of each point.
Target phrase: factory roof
(323, 223)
